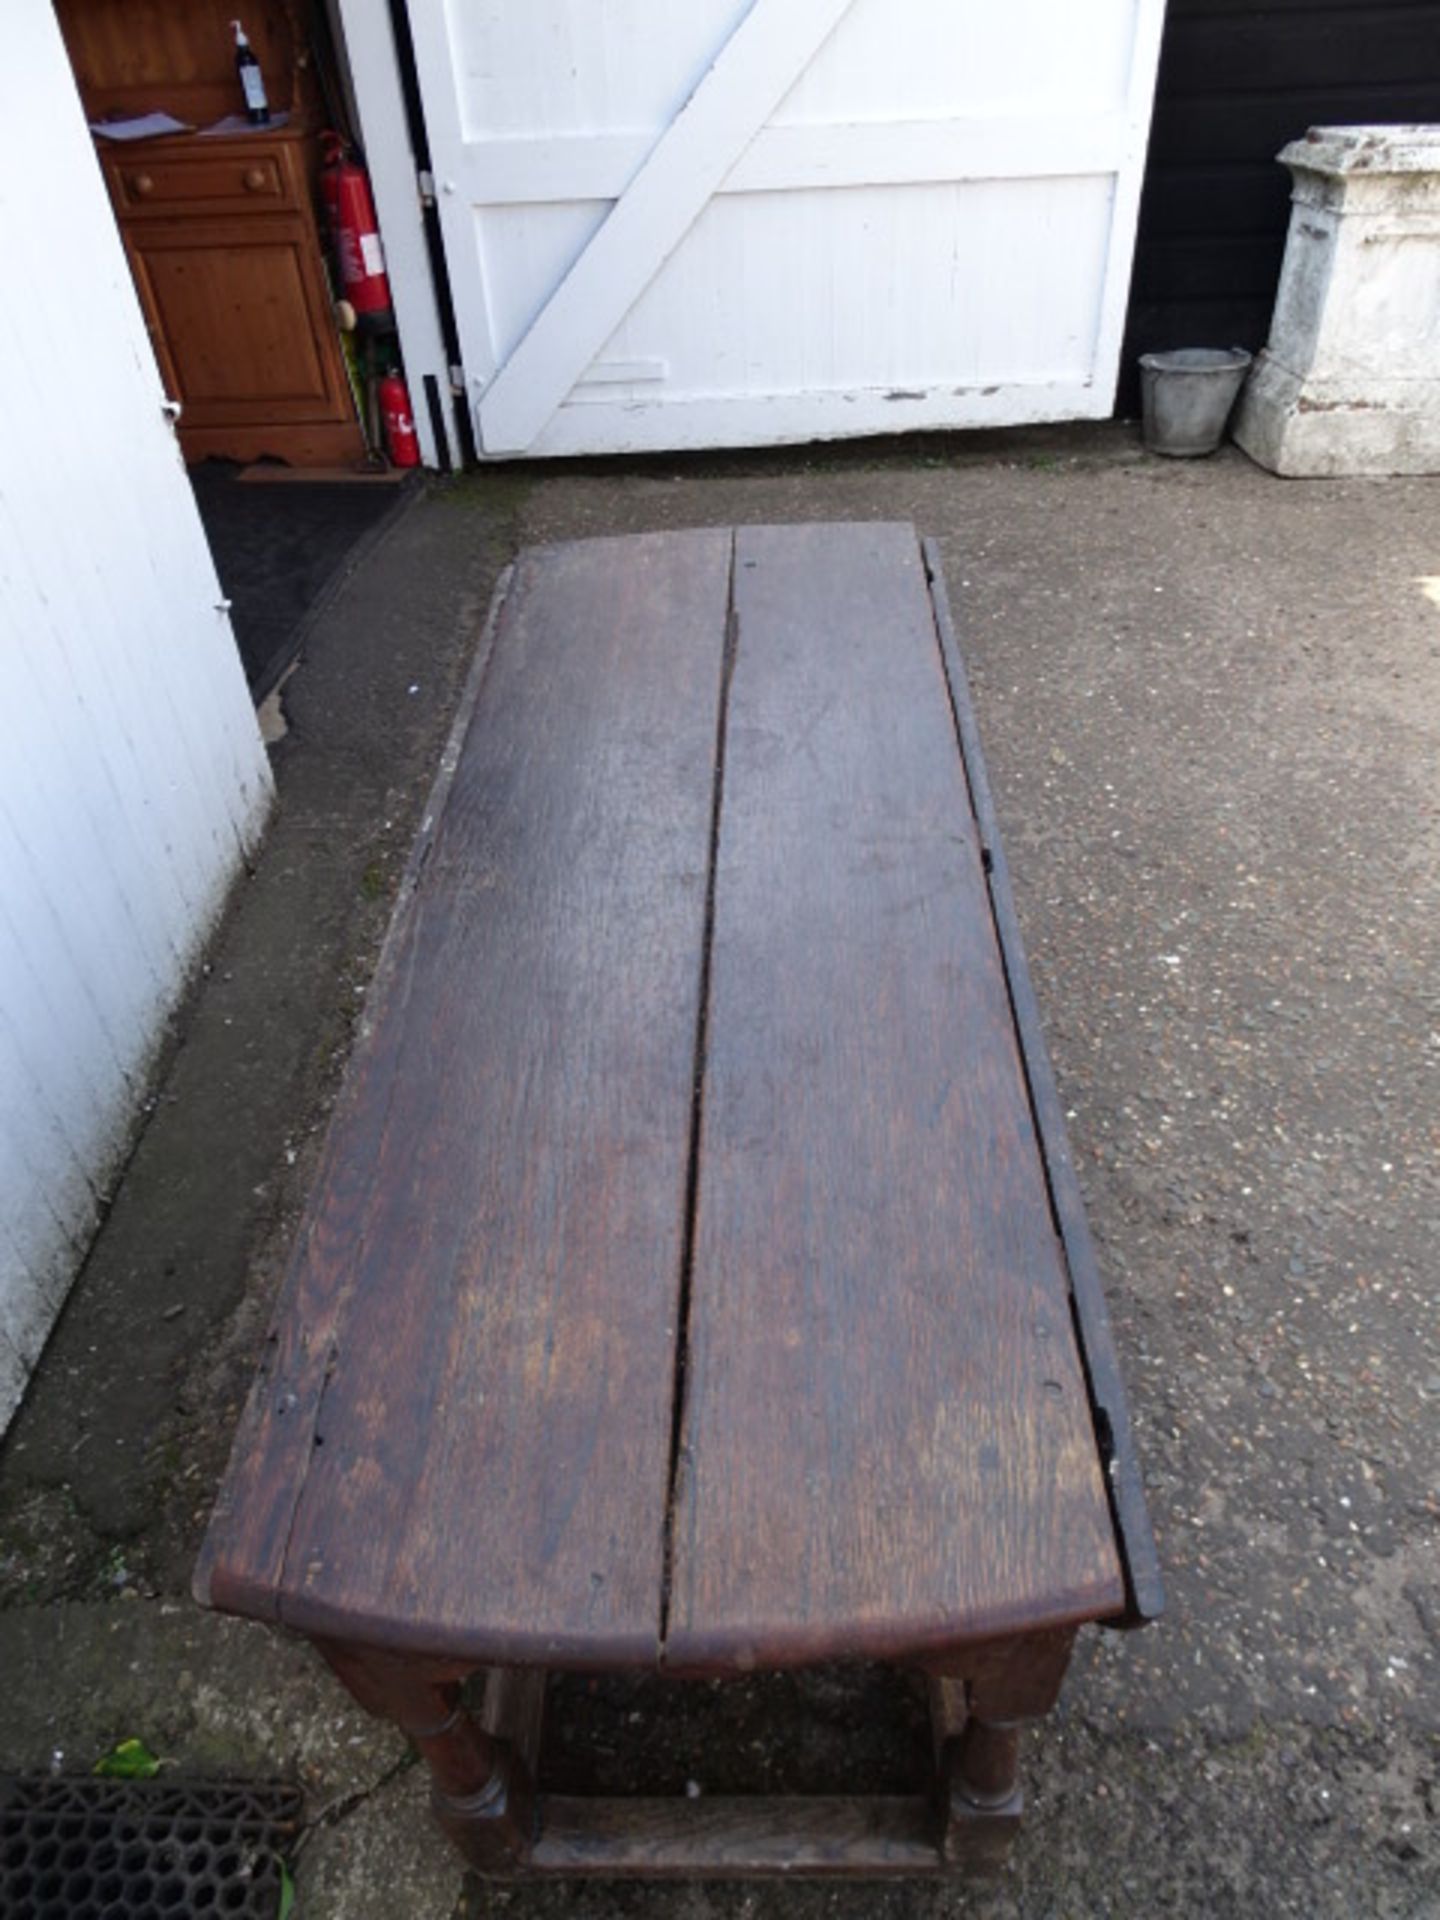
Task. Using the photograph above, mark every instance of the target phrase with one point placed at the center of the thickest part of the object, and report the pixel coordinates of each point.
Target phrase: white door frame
(366, 44)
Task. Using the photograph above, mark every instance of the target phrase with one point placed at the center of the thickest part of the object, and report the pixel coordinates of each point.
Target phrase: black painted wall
(1236, 83)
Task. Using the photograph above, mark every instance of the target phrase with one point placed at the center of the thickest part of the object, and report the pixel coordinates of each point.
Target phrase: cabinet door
(243, 328)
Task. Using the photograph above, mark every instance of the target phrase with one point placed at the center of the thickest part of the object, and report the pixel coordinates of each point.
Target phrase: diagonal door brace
(747, 80)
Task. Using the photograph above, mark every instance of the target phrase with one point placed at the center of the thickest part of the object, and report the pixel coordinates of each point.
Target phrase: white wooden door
(739, 222)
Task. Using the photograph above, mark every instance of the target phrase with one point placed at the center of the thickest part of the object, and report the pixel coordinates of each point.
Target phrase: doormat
(83, 1849)
(283, 552)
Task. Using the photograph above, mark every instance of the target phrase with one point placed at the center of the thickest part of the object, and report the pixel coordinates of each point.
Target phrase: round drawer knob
(254, 179)
(142, 183)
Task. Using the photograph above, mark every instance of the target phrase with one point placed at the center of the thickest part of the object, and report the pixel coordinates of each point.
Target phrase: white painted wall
(751, 221)
(132, 777)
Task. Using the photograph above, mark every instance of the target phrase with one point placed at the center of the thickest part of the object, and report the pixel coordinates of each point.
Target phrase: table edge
(1124, 1487)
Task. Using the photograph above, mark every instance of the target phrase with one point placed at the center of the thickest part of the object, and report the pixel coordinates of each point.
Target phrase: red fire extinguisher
(400, 442)
(346, 194)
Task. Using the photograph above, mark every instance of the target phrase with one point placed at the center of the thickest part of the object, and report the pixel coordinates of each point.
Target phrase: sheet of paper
(237, 123)
(144, 126)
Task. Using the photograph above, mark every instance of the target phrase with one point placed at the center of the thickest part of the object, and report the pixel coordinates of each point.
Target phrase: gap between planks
(697, 1110)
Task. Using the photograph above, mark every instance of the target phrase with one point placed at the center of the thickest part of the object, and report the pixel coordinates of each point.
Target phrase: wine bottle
(252, 81)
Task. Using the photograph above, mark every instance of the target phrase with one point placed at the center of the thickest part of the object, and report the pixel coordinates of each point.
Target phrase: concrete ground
(1211, 707)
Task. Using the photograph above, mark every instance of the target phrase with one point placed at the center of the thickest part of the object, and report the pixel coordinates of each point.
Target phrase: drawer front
(201, 182)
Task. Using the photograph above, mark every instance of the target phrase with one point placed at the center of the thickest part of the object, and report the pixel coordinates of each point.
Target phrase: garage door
(742, 222)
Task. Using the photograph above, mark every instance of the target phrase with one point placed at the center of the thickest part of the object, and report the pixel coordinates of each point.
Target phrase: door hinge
(457, 381)
(425, 181)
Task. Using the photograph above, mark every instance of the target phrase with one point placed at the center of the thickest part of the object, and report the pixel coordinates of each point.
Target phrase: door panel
(742, 223)
(240, 318)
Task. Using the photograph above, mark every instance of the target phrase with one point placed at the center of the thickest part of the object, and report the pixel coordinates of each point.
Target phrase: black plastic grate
(84, 1849)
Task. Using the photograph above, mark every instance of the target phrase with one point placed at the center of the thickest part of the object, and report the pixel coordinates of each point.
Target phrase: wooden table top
(681, 1280)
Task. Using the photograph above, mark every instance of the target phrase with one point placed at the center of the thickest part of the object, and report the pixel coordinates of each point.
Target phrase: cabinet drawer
(200, 181)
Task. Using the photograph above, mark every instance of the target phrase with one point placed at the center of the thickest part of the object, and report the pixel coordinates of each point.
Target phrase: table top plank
(886, 1444)
(489, 1275)
(1145, 1586)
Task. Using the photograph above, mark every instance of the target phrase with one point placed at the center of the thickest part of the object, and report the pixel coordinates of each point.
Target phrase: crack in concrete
(345, 1804)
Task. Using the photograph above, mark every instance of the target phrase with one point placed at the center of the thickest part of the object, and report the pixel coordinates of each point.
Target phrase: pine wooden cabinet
(225, 250)
(221, 228)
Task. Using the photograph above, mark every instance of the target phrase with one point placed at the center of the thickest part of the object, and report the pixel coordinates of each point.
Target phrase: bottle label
(372, 253)
(253, 83)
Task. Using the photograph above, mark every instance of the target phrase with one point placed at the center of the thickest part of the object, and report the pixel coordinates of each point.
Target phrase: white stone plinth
(1350, 382)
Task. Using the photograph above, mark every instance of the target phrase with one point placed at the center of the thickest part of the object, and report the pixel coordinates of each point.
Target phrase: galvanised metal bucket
(1187, 396)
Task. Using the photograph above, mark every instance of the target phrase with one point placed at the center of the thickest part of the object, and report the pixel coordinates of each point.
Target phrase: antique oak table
(695, 1276)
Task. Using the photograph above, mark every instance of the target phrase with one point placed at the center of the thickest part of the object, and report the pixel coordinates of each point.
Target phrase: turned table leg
(979, 1706)
(480, 1790)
